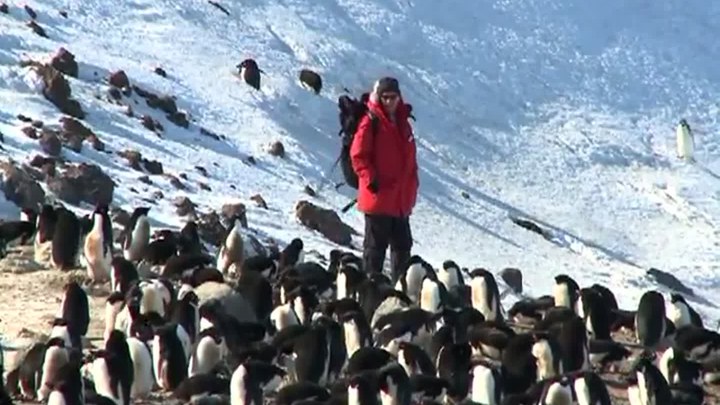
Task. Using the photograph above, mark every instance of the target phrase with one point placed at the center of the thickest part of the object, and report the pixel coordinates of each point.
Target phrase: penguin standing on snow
(98, 246)
(685, 140)
(250, 73)
(682, 314)
(292, 254)
(136, 234)
(232, 250)
(567, 293)
(485, 295)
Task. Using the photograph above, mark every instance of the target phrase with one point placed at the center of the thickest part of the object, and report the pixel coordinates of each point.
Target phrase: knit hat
(387, 85)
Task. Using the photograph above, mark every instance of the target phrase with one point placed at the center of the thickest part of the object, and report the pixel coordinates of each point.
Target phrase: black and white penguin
(292, 254)
(548, 356)
(450, 275)
(230, 255)
(368, 359)
(208, 352)
(676, 368)
(362, 389)
(189, 240)
(68, 389)
(414, 359)
(681, 313)
(595, 313)
(566, 292)
(605, 352)
(15, 233)
(590, 389)
(698, 344)
(454, 365)
(412, 325)
(650, 321)
(98, 246)
(490, 338)
(45, 225)
(311, 80)
(487, 382)
(55, 357)
(122, 274)
(250, 73)
(513, 278)
(251, 379)
(485, 295)
(113, 370)
(66, 240)
(647, 384)
(143, 378)
(557, 391)
(433, 295)
(202, 385)
(410, 280)
(186, 311)
(356, 331)
(685, 142)
(169, 357)
(572, 341)
(262, 264)
(394, 385)
(136, 234)
(349, 277)
(257, 290)
(75, 311)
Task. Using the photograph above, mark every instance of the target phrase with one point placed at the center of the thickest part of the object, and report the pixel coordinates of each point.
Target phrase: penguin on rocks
(518, 365)
(142, 362)
(485, 295)
(681, 313)
(122, 274)
(186, 311)
(250, 73)
(136, 234)
(356, 331)
(454, 365)
(202, 386)
(98, 246)
(487, 382)
(433, 295)
(646, 384)
(208, 353)
(113, 370)
(251, 379)
(55, 357)
(605, 352)
(596, 314)
(75, 311)
(66, 240)
(490, 338)
(169, 356)
(68, 389)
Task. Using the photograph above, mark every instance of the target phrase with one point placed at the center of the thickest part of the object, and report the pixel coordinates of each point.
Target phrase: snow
(552, 110)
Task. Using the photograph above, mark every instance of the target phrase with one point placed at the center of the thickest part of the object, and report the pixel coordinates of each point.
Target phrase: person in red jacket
(386, 165)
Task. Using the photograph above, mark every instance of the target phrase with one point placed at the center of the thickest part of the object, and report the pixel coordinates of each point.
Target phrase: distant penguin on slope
(250, 73)
(231, 251)
(98, 246)
(685, 140)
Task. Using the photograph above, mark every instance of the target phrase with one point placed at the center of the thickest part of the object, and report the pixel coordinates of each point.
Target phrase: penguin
(572, 341)
(311, 80)
(394, 385)
(55, 357)
(450, 275)
(251, 379)
(68, 389)
(356, 331)
(98, 246)
(557, 392)
(262, 264)
(15, 233)
(432, 295)
(676, 368)
(410, 280)
(590, 389)
(189, 240)
(169, 357)
(348, 278)
(186, 311)
(485, 295)
(454, 365)
(681, 313)
(250, 73)
(136, 234)
(362, 389)
(547, 356)
(604, 352)
(113, 370)
(142, 362)
(513, 279)
(368, 359)
(258, 291)
(650, 321)
(65, 240)
(566, 293)
(122, 274)
(292, 255)
(202, 385)
(75, 311)
(414, 359)
(486, 386)
(489, 338)
(45, 225)
(685, 140)
(428, 388)
(208, 353)
(647, 383)
(231, 251)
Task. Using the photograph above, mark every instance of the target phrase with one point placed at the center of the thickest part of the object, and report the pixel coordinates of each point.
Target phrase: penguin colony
(333, 334)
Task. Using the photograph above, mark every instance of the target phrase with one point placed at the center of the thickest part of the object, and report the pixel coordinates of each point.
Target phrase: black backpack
(351, 113)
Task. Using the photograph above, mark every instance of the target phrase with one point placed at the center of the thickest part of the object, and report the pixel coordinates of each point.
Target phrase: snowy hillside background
(559, 111)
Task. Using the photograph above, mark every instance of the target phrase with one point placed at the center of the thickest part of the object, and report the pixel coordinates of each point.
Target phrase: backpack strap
(374, 122)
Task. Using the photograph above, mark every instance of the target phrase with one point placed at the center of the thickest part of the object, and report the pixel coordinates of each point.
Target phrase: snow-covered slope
(553, 110)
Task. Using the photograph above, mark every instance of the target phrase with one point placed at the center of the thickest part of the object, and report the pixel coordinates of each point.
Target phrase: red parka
(389, 157)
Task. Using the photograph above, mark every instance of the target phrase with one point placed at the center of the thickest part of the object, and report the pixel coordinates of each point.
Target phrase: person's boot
(373, 261)
(398, 262)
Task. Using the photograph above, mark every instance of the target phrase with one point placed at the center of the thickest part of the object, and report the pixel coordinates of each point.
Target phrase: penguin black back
(65, 240)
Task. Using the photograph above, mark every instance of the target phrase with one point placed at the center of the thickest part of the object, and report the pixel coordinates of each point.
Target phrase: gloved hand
(373, 186)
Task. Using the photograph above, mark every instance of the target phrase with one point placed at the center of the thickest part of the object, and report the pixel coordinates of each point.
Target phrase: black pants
(382, 231)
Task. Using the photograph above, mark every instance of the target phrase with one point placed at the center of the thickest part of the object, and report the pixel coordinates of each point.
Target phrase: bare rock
(325, 221)
(133, 158)
(145, 179)
(24, 118)
(260, 201)
(30, 12)
(309, 191)
(38, 124)
(158, 195)
(63, 13)
(20, 187)
(72, 126)
(4, 8)
(57, 91)
(230, 211)
(64, 61)
(184, 206)
(211, 228)
(202, 170)
(153, 166)
(210, 134)
(96, 143)
(30, 132)
(180, 119)
(160, 72)
(230, 300)
(164, 103)
(50, 143)
(277, 149)
(119, 79)
(115, 93)
(175, 181)
(204, 186)
(149, 122)
(83, 183)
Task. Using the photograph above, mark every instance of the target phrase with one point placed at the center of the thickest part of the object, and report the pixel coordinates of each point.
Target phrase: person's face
(389, 101)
